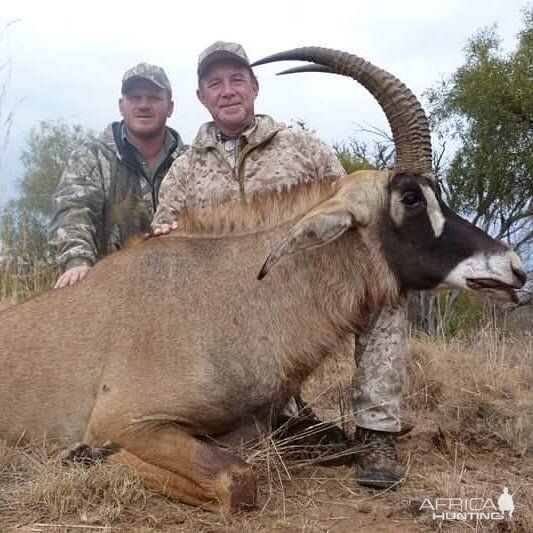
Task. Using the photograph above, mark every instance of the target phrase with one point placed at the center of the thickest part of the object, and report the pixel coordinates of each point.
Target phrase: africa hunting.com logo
(462, 509)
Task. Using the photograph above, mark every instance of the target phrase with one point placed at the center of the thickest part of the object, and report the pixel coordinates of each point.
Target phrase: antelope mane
(259, 212)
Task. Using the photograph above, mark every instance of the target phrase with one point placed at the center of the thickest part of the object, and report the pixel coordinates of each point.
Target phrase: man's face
(228, 90)
(145, 109)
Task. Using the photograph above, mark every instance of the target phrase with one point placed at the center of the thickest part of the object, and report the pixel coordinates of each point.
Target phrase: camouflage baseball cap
(221, 50)
(145, 71)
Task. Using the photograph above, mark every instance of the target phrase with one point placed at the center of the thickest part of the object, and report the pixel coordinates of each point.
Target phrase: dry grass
(471, 403)
(20, 281)
(479, 390)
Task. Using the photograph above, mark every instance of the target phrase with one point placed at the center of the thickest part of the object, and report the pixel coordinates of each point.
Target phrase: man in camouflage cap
(219, 51)
(110, 188)
(144, 71)
(241, 153)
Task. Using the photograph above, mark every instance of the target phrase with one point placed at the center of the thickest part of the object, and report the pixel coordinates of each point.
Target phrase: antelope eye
(413, 199)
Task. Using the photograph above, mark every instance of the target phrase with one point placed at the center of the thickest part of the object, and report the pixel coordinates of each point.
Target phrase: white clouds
(68, 57)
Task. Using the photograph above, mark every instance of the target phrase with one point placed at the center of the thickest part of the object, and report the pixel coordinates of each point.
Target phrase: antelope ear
(320, 226)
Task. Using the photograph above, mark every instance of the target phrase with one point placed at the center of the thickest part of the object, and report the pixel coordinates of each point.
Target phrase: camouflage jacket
(104, 197)
(268, 155)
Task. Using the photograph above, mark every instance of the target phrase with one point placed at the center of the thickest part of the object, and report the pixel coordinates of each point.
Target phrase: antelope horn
(406, 117)
(307, 68)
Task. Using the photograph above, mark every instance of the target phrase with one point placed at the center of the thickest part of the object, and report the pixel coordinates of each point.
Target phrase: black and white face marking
(429, 246)
(494, 274)
(404, 202)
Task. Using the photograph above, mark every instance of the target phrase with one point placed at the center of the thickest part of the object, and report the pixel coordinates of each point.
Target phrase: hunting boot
(302, 435)
(377, 463)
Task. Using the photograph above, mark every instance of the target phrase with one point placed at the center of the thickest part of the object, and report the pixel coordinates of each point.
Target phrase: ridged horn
(311, 67)
(408, 122)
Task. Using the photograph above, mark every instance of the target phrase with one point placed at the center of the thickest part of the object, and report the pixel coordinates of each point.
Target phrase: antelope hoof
(236, 490)
(85, 454)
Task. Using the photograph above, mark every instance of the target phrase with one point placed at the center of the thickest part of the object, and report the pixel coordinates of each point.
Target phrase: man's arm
(321, 161)
(172, 195)
(78, 212)
(327, 163)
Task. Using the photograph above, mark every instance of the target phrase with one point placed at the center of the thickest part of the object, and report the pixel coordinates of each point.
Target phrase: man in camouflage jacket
(110, 188)
(241, 153)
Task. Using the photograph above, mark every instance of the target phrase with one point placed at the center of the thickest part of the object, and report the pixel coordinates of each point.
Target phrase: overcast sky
(66, 59)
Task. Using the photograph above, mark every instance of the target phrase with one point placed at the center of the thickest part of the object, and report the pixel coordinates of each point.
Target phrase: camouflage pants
(378, 380)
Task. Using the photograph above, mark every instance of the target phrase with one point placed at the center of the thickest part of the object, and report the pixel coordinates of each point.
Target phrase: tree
(486, 107)
(24, 219)
(485, 110)
(355, 154)
(6, 116)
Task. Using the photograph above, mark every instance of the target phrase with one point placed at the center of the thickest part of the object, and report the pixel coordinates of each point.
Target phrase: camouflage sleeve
(78, 210)
(172, 194)
(327, 163)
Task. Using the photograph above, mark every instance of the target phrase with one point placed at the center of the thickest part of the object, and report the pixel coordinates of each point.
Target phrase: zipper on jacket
(125, 156)
(239, 174)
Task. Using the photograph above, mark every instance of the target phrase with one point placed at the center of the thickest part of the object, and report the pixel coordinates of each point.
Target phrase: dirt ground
(470, 403)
